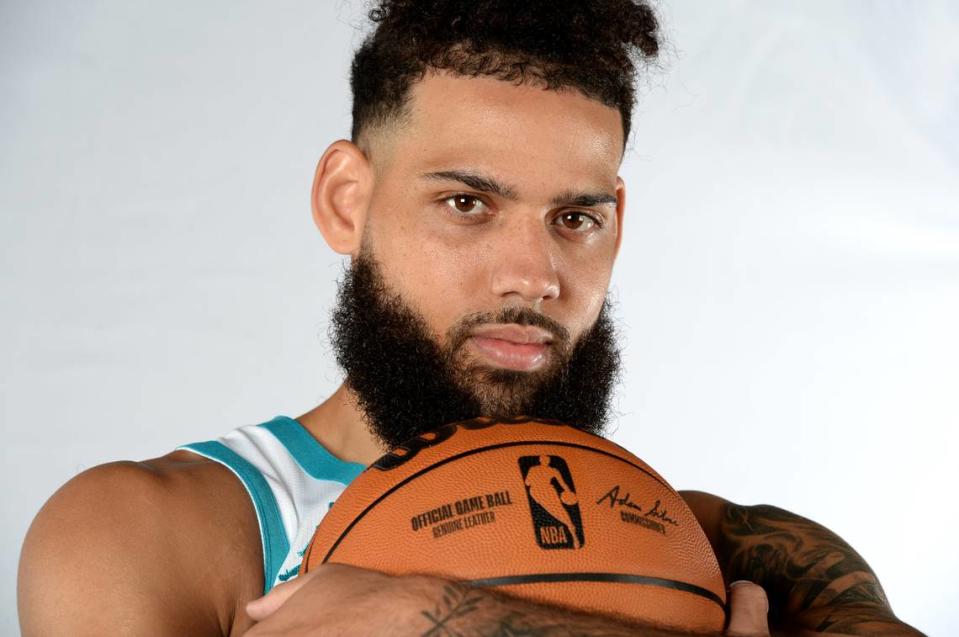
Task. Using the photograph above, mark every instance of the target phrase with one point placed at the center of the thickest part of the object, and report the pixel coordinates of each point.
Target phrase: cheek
(438, 278)
(587, 286)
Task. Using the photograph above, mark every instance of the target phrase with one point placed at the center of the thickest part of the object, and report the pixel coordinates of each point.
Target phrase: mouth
(525, 357)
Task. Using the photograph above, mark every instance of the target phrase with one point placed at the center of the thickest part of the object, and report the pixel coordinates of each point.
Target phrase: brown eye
(577, 221)
(464, 203)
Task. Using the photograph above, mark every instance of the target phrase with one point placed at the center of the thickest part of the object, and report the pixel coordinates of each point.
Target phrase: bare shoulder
(709, 510)
(168, 546)
(702, 500)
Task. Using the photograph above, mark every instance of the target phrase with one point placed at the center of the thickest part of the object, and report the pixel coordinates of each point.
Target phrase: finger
(261, 608)
(748, 608)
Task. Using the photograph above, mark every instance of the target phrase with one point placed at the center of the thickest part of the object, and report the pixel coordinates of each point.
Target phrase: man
(480, 205)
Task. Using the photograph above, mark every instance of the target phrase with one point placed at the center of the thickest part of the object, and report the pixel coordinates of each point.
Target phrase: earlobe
(342, 188)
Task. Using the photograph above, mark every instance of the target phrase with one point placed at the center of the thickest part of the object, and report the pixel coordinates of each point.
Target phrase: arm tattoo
(806, 569)
(463, 611)
(457, 601)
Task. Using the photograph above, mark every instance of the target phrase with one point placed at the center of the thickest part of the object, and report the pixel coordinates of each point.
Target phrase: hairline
(401, 115)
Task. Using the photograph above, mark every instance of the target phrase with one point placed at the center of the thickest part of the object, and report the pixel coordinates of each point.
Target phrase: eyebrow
(474, 181)
(584, 199)
(490, 185)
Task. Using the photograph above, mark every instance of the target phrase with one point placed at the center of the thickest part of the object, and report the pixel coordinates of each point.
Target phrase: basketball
(536, 509)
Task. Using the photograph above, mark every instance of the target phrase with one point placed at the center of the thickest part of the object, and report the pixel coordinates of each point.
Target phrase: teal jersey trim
(310, 454)
(293, 572)
(275, 544)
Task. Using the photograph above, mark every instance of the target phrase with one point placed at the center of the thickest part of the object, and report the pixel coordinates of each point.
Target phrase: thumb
(262, 607)
(748, 607)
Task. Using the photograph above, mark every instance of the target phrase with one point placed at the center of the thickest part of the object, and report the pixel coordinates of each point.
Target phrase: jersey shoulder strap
(292, 481)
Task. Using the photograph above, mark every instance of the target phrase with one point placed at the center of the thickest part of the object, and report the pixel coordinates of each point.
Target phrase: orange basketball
(536, 509)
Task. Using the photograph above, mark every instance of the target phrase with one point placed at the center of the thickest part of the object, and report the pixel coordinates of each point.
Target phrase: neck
(339, 426)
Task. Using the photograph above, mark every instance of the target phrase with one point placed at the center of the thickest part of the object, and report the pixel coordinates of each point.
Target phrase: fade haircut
(592, 46)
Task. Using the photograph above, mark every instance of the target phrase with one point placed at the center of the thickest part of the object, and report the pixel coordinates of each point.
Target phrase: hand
(335, 599)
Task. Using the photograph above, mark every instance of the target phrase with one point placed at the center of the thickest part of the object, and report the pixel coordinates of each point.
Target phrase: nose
(524, 263)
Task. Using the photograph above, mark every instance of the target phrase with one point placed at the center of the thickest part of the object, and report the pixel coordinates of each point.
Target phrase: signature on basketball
(614, 499)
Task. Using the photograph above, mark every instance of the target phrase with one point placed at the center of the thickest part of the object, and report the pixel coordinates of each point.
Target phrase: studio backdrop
(787, 288)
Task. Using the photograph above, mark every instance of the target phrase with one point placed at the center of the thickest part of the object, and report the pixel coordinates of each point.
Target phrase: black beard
(406, 384)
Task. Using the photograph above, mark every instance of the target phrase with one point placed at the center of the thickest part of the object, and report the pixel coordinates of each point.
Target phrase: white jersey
(292, 481)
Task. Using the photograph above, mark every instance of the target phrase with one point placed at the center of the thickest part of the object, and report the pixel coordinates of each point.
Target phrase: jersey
(292, 481)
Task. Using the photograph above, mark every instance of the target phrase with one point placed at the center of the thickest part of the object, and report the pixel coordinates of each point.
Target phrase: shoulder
(709, 509)
(165, 546)
(723, 520)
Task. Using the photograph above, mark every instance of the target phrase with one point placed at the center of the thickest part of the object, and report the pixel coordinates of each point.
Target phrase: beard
(406, 383)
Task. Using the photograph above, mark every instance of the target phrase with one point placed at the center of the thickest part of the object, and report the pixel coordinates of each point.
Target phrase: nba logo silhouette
(553, 503)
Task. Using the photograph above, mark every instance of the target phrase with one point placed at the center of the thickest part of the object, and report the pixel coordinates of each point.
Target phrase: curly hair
(589, 45)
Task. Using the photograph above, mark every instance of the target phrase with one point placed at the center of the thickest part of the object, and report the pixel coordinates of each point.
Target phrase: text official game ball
(536, 509)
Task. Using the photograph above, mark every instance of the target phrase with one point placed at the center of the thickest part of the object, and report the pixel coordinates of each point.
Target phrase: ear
(342, 188)
(620, 209)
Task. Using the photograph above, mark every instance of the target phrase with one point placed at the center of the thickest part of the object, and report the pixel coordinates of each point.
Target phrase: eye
(465, 205)
(579, 221)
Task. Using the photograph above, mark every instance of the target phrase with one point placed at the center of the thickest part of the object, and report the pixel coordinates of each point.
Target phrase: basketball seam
(623, 578)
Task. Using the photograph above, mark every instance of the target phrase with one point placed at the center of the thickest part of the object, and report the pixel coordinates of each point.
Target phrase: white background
(788, 283)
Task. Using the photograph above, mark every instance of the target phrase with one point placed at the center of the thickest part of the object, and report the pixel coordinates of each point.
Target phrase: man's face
(492, 230)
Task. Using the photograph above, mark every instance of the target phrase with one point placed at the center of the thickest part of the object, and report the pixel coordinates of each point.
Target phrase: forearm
(335, 599)
(815, 581)
(460, 610)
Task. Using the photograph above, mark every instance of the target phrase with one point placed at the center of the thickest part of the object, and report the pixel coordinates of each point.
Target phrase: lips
(513, 333)
(515, 347)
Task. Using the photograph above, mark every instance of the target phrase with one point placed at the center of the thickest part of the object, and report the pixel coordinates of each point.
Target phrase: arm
(451, 608)
(120, 549)
(342, 600)
(815, 581)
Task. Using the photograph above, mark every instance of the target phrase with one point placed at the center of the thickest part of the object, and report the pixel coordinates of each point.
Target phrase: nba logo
(553, 503)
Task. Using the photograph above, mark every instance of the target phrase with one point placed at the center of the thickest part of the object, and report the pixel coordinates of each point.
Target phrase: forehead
(476, 121)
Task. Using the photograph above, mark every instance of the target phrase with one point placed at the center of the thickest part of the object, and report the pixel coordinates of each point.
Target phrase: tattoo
(457, 601)
(515, 626)
(468, 612)
(804, 568)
